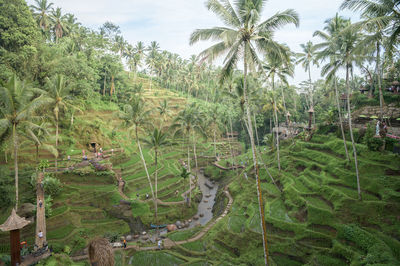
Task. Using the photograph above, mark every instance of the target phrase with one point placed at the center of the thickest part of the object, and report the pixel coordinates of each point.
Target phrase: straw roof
(101, 252)
(14, 222)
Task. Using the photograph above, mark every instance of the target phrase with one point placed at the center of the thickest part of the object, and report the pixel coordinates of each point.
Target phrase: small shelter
(13, 224)
(233, 134)
(94, 144)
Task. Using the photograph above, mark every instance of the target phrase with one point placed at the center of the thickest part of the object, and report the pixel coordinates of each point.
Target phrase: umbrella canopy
(14, 222)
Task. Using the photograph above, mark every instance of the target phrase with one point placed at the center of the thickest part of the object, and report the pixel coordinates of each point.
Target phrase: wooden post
(15, 247)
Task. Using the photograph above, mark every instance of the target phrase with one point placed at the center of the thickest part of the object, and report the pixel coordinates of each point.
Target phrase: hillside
(313, 216)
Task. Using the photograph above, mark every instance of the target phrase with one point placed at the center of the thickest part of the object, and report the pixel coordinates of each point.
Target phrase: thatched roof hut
(14, 222)
(101, 252)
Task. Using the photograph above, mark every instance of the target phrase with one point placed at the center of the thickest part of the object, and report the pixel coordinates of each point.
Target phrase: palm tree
(59, 99)
(58, 22)
(120, 45)
(156, 140)
(378, 16)
(383, 12)
(18, 104)
(134, 115)
(164, 110)
(330, 48)
(306, 58)
(39, 134)
(41, 10)
(348, 41)
(186, 123)
(270, 97)
(281, 67)
(241, 40)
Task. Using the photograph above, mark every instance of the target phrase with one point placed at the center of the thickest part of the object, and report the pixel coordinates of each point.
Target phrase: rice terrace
(207, 132)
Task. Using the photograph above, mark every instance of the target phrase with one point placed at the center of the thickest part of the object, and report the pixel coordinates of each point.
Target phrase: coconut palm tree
(306, 58)
(349, 54)
(186, 123)
(120, 45)
(280, 67)
(59, 99)
(386, 13)
(330, 48)
(39, 134)
(156, 140)
(135, 116)
(41, 10)
(18, 104)
(164, 110)
(58, 22)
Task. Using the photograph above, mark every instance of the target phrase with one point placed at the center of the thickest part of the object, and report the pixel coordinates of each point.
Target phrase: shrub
(52, 185)
(112, 236)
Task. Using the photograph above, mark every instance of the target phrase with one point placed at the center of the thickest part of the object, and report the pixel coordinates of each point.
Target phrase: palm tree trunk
(255, 127)
(15, 139)
(112, 85)
(340, 119)
(378, 61)
(230, 123)
(188, 160)
(253, 149)
(215, 148)
(56, 143)
(351, 132)
(104, 84)
(276, 124)
(156, 198)
(230, 148)
(144, 162)
(194, 152)
(311, 93)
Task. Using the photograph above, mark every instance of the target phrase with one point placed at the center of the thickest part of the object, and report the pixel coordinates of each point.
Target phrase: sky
(170, 22)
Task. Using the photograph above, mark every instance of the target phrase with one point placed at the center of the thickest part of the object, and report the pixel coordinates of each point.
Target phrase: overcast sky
(170, 22)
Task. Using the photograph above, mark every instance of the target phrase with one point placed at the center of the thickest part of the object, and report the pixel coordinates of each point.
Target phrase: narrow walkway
(40, 213)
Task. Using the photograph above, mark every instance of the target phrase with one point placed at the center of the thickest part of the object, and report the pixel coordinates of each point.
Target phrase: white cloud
(170, 22)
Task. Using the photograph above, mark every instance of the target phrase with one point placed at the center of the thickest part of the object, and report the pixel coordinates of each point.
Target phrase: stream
(204, 209)
(209, 191)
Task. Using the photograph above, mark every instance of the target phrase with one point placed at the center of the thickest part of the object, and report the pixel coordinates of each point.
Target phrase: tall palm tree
(384, 12)
(349, 53)
(58, 22)
(156, 140)
(281, 67)
(306, 58)
(330, 48)
(135, 116)
(377, 17)
(244, 35)
(18, 104)
(120, 45)
(59, 100)
(186, 123)
(41, 10)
